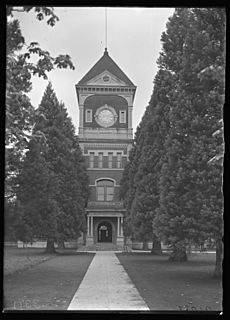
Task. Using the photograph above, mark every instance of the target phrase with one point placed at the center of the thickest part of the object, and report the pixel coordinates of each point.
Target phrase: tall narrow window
(100, 160)
(110, 160)
(109, 193)
(88, 115)
(105, 190)
(91, 159)
(122, 116)
(119, 159)
(101, 193)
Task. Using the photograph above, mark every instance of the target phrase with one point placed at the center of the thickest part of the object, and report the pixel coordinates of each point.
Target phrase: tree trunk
(156, 247)
(50, 246)
(178, 254)
(145, 245)
(61, 244)
(84, 238)
(219, 256)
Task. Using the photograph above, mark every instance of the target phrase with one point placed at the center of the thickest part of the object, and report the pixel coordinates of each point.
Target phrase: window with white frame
(122, 116)
(119, 159)
(105, 190)
(88, 115)
(91, 159)
(110, 160)
(100, 159)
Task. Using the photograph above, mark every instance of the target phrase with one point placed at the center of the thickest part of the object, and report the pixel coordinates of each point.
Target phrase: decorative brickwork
(105, 96)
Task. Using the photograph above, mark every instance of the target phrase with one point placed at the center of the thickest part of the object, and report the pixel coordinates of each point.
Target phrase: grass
(19, 259)
(35, 280)
(166, 285)
(45, 286)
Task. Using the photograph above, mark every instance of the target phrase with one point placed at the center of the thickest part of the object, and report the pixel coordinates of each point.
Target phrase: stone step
(101, 247)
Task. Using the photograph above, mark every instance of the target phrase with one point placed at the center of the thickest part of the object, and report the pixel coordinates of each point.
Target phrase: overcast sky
(133, 42)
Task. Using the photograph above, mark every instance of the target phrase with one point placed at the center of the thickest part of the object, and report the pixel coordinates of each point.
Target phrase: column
(91, 227)
(122, 226)
(88, 226)
(118, 226)
(81, 116)
(130, 117)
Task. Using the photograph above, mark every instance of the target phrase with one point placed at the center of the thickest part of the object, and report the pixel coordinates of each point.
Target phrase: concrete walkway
(107, 286)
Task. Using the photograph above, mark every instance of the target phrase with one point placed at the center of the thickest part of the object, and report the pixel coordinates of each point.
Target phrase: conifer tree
(196, 109)
(35, 196)
(64, 216)
(128, 185)
(20, 69)
(170, 169)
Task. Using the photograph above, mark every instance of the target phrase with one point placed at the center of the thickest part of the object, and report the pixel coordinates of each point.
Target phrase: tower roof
(105, 63)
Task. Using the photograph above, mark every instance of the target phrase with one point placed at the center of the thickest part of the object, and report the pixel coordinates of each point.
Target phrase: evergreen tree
(33, 195)
(64, 215)
(20, 113)
(168, 179)
(128, 186)
(149, 140)
(196, 110)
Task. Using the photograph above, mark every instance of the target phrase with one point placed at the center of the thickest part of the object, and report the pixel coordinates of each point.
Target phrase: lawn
(37, 281)
(49, 285)
(19, 259)
(166, 285)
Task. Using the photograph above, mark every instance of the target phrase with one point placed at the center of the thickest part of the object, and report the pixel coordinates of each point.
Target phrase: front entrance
(104, 232)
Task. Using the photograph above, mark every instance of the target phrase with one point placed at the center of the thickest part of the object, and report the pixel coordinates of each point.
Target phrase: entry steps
(101, 247)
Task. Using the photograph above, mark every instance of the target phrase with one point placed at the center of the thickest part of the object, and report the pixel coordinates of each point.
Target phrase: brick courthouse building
(105, 98)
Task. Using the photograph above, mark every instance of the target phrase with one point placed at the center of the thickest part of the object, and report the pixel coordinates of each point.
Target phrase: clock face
(106, 116)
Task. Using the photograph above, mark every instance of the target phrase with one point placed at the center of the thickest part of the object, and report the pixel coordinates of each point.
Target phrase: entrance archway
(104, 232)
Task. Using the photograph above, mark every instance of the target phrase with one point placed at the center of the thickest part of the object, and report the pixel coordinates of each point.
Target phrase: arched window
(105, 190)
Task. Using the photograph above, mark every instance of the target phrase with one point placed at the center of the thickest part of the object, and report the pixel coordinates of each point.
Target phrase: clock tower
(105, 97)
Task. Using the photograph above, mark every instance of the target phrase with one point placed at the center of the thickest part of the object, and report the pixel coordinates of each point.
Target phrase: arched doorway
(104, 232)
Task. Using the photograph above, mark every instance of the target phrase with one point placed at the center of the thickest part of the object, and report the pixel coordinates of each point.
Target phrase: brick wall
(95, 174)
(105, 161)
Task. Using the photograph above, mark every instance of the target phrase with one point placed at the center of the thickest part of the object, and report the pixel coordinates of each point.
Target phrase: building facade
(105, 98)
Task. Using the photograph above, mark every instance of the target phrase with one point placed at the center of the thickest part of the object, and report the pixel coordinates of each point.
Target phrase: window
(91, 159)
(119, 160)
(110, 160)
(105, 190)
(88, 115)
(122, 117)
(106, 78)
(100, 160)
(100, 193)
(109, 193)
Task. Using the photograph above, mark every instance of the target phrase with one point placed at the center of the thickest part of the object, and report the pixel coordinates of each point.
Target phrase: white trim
(122, 224)
(122, 116)
(105, 169)
(113, 80)
(94, 185)
(108, 214)
(81, 116)
(118, 226)
(90, 120)
(91, 228)
(105, 152)
(105, 178)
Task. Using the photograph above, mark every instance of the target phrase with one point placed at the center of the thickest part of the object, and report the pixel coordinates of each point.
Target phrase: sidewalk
(107, 286)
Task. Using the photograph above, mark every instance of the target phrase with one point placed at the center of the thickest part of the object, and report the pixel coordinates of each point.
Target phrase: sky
(133, 42)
